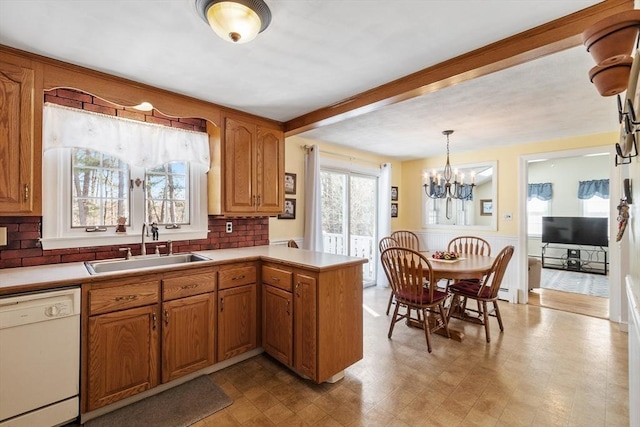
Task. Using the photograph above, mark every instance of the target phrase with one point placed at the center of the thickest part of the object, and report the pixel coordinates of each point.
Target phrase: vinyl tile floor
(548, 368)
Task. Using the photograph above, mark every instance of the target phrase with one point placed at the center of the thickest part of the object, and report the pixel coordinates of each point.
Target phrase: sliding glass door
(349, 217)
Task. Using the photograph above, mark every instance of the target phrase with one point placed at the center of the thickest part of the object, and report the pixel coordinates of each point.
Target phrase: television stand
(580, 258)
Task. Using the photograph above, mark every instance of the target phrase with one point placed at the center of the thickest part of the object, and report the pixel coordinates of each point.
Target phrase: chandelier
(452, 187)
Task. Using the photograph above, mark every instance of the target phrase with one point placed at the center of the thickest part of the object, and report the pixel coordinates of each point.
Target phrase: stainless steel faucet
(143, 249)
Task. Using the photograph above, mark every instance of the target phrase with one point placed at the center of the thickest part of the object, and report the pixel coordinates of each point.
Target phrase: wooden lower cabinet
(306, 326)
(277, 321)
(188, 335)
(326, 321)
(123, 354)
(237, 320)
(125, 319)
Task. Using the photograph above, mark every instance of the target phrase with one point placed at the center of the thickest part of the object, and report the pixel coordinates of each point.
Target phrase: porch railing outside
(361, 246)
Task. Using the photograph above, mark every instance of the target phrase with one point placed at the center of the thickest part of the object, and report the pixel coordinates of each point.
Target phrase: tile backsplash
(23, 245)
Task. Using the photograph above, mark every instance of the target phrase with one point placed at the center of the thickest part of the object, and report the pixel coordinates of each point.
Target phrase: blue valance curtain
(542, 191)
(596, 187)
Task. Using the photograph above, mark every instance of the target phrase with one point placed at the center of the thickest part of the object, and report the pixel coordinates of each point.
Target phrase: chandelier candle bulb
(461, 179)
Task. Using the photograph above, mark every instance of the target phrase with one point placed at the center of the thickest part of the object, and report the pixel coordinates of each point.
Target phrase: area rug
(180, 406)
(572, 281)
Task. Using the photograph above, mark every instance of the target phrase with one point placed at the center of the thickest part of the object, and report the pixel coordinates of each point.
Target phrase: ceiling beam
(546, 39)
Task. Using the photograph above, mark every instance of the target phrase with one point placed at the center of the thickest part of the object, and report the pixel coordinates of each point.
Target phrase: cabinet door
(188, 335)
(270, 170)
(122, 355)
(277, 324)
(17, 161)
(239, 165)
(305, 325)
(237, 321)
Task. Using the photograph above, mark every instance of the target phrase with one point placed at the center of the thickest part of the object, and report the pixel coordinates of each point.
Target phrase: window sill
(112, 239)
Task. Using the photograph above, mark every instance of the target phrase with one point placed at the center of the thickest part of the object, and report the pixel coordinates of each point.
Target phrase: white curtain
(137, 143)
(313, 201)
(384, 217)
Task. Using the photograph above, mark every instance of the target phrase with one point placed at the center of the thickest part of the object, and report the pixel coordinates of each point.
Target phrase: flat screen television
(575, 230)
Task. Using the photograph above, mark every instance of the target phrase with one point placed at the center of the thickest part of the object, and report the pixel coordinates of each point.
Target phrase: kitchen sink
(133, 263)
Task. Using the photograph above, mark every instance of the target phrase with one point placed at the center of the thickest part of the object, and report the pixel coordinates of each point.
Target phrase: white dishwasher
(39, 358)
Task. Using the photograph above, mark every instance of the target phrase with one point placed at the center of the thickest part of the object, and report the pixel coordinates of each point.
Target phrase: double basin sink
(146, 261)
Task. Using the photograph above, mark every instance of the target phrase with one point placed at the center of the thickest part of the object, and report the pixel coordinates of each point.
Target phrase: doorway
(349, 217)
(564, 285)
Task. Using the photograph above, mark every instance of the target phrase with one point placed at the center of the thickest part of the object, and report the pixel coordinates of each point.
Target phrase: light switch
(3, 236)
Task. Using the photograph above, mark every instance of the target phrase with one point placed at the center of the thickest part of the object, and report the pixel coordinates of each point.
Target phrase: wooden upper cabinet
(270, 170)
(18, 160)
(253, 168)
(239, 165)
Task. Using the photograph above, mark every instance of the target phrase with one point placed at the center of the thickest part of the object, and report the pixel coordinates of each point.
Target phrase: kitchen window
(98, 169)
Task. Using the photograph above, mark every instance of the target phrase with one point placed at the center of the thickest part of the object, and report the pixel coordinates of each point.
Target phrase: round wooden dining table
(468, 266)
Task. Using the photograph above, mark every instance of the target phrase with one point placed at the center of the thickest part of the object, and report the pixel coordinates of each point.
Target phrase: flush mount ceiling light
(236, 21)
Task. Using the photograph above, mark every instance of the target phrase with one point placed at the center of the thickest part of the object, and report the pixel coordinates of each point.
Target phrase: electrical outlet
(229, 226)
(507, 216)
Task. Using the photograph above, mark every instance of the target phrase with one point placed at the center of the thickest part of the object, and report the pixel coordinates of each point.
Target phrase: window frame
(547, 212)
(57, 232)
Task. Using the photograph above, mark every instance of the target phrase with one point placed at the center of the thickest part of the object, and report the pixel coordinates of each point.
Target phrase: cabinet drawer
(118, 298)
(236, 276)
(277, 277)
(186, 286)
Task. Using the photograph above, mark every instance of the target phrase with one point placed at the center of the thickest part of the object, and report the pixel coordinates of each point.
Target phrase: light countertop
(24, 279)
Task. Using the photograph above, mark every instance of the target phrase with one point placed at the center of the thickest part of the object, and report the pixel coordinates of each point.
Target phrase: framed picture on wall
(289, 183)
(394, 194)
(289, 209)
(486, 207)
(394, 210)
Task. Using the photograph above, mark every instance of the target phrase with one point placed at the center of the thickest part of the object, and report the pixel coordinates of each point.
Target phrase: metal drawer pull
(166, 317)
(288, 312)
(275, 279)
(189, 286)
(127, 298)
(154, 318)
(221, 305)
(238, 277)
(26, 192)
(297, 286)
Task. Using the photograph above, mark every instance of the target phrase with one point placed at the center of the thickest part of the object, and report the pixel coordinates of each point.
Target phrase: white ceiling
(319, 52)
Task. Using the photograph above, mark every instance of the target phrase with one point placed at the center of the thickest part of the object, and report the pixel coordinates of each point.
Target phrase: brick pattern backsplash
(83, 101)
(24, 249)
(23, 233)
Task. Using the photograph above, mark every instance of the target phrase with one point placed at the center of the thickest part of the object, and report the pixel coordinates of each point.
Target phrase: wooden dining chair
(407, 239)
(407, 270)
(469, 245)
(385, 243)
(483, 291)
(292, 244)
